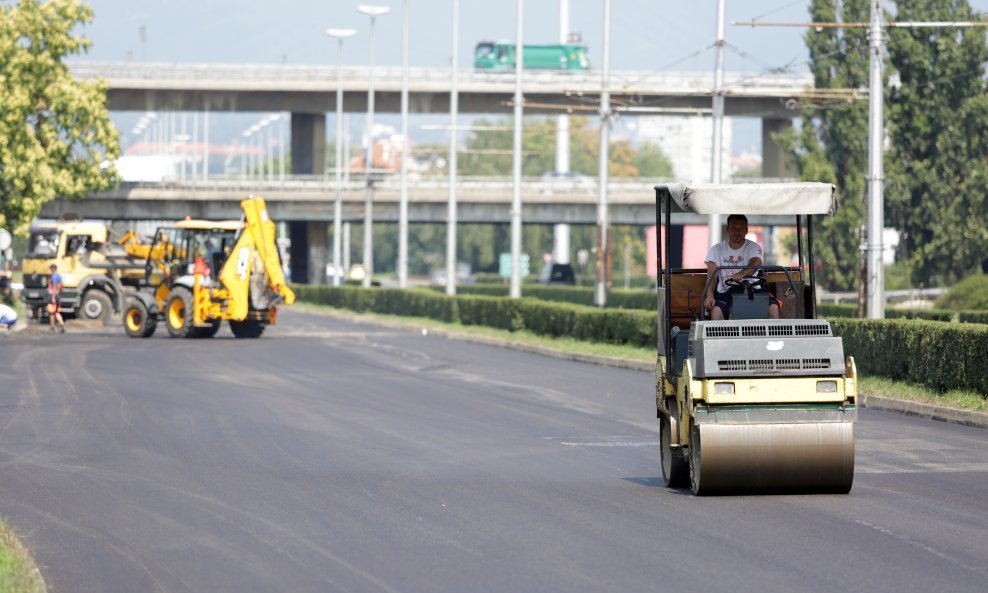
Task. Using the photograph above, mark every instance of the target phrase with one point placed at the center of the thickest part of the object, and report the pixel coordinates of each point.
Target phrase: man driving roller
(734, 251)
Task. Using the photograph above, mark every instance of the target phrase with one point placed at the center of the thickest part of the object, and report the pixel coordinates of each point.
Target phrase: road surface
(331, 455)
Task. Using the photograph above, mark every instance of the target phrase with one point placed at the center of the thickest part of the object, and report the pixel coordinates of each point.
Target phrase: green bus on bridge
(500, 55)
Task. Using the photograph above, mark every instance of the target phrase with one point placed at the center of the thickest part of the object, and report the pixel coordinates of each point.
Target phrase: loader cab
(173, 254)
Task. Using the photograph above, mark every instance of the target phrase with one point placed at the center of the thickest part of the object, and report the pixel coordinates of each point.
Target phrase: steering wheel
(746, 282)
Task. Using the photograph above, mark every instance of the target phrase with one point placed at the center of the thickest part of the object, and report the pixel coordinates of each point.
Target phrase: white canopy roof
(754, 198)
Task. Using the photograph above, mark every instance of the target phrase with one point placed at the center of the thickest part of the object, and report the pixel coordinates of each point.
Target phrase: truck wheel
(675, 472)
(137, 321)
(178, 313)
(96, 306)
(248, 328)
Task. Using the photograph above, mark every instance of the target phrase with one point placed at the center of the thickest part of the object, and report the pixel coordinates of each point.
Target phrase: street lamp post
(600, 294)
(403, 197)
(339, 35)
(453, 112)
(373, 12)
(514, 289)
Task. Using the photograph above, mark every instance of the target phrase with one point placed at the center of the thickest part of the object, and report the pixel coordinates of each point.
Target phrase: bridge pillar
(774, 161)
(309, 251)
(308, 143)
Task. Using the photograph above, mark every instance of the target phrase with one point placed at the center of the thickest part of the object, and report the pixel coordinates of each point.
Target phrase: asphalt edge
(934, 412)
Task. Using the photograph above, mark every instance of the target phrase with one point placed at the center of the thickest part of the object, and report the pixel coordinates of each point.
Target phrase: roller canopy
(752, 198)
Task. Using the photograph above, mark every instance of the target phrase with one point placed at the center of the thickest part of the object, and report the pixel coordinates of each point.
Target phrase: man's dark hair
(740, 217)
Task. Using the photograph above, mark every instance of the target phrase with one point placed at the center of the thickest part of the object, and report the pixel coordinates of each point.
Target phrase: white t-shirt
(721, 254)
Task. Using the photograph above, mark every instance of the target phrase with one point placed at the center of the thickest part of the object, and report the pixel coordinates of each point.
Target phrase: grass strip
(881, 386)
(18, 573)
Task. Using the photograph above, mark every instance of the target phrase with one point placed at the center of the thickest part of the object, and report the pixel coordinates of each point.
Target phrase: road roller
(754, 402)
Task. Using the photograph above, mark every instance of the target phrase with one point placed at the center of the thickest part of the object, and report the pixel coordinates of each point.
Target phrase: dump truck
(96, 272)
(199, 273)
(751, 404)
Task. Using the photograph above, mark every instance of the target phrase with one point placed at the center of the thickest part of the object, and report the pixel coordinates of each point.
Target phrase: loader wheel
(137, 321)
(248, 328)
(675, 472)
(96, 306)
(178, 313)
(208, 332)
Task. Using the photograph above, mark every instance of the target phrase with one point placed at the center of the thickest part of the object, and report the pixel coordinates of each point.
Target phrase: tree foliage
(831, 142)
(938, 118)
(55, 131)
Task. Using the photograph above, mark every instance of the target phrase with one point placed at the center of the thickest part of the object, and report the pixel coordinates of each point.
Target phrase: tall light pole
(600, 296)
(373, 11)
(713, 221)
(876, 170)
(515, 287)
(560, 232)
(339, 35)
(454, 99)
(403, 196)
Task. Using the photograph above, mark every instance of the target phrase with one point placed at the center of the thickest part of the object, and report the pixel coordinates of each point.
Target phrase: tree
(55, 132)
(938, 190)
(831, 142)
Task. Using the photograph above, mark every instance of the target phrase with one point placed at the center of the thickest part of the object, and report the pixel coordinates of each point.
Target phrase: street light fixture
(339, 35)
(373, 11)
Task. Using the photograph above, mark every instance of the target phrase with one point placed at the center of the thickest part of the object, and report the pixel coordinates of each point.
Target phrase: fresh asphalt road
(331, 455)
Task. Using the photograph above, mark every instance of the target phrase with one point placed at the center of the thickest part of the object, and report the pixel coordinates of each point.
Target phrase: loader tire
(96, 305)
(675, 471)
(178, 313)
(248, 328)
(210, 331)
(137, 321)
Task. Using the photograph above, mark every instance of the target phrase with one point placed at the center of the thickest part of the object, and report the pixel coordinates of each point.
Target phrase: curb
(926, 411)
(872, 402)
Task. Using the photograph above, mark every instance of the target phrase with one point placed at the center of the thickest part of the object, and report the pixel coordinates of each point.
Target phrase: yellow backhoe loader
(200, 273)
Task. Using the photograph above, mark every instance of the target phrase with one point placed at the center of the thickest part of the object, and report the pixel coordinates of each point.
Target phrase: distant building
(688, 142)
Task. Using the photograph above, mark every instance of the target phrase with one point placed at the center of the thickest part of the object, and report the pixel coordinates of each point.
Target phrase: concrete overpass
(479, 200)
(309, 92)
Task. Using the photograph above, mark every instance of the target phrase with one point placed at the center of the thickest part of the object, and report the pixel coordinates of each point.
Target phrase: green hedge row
(830, 310)
(613, 326)
(618, 298)
(943, 356)
(940, 355)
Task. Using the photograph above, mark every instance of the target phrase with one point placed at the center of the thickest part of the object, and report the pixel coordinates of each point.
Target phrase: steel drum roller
(798, 457)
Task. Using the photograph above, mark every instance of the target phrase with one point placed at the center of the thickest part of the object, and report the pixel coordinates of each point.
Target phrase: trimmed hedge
(943, 356)
(939, 355)
(613, 326)
(579, 295)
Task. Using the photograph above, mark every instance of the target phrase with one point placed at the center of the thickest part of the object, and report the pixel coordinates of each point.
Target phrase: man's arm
(708, 298)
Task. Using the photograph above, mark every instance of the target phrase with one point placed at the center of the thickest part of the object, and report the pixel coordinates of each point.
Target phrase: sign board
(504, 265)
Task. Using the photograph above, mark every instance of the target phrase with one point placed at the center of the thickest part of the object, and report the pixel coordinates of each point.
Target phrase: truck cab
(94, 276)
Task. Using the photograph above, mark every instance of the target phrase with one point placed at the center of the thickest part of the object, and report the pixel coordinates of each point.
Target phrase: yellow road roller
(759, 401)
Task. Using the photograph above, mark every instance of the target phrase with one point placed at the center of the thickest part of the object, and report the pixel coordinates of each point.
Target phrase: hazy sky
(653, 35)
(645, 34)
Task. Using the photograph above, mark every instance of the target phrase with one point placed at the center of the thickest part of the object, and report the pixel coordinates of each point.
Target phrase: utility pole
(713, 220)
(875, 289)
(454, 107)
(515, 287)
(600, 295)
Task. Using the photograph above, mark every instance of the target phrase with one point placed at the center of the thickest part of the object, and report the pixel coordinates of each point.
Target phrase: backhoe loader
(200, 273)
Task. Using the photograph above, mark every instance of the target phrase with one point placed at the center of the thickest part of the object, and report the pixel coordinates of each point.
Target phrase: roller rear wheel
(675, 472)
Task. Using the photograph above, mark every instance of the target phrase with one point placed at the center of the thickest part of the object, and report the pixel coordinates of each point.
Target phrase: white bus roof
(753, 198)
